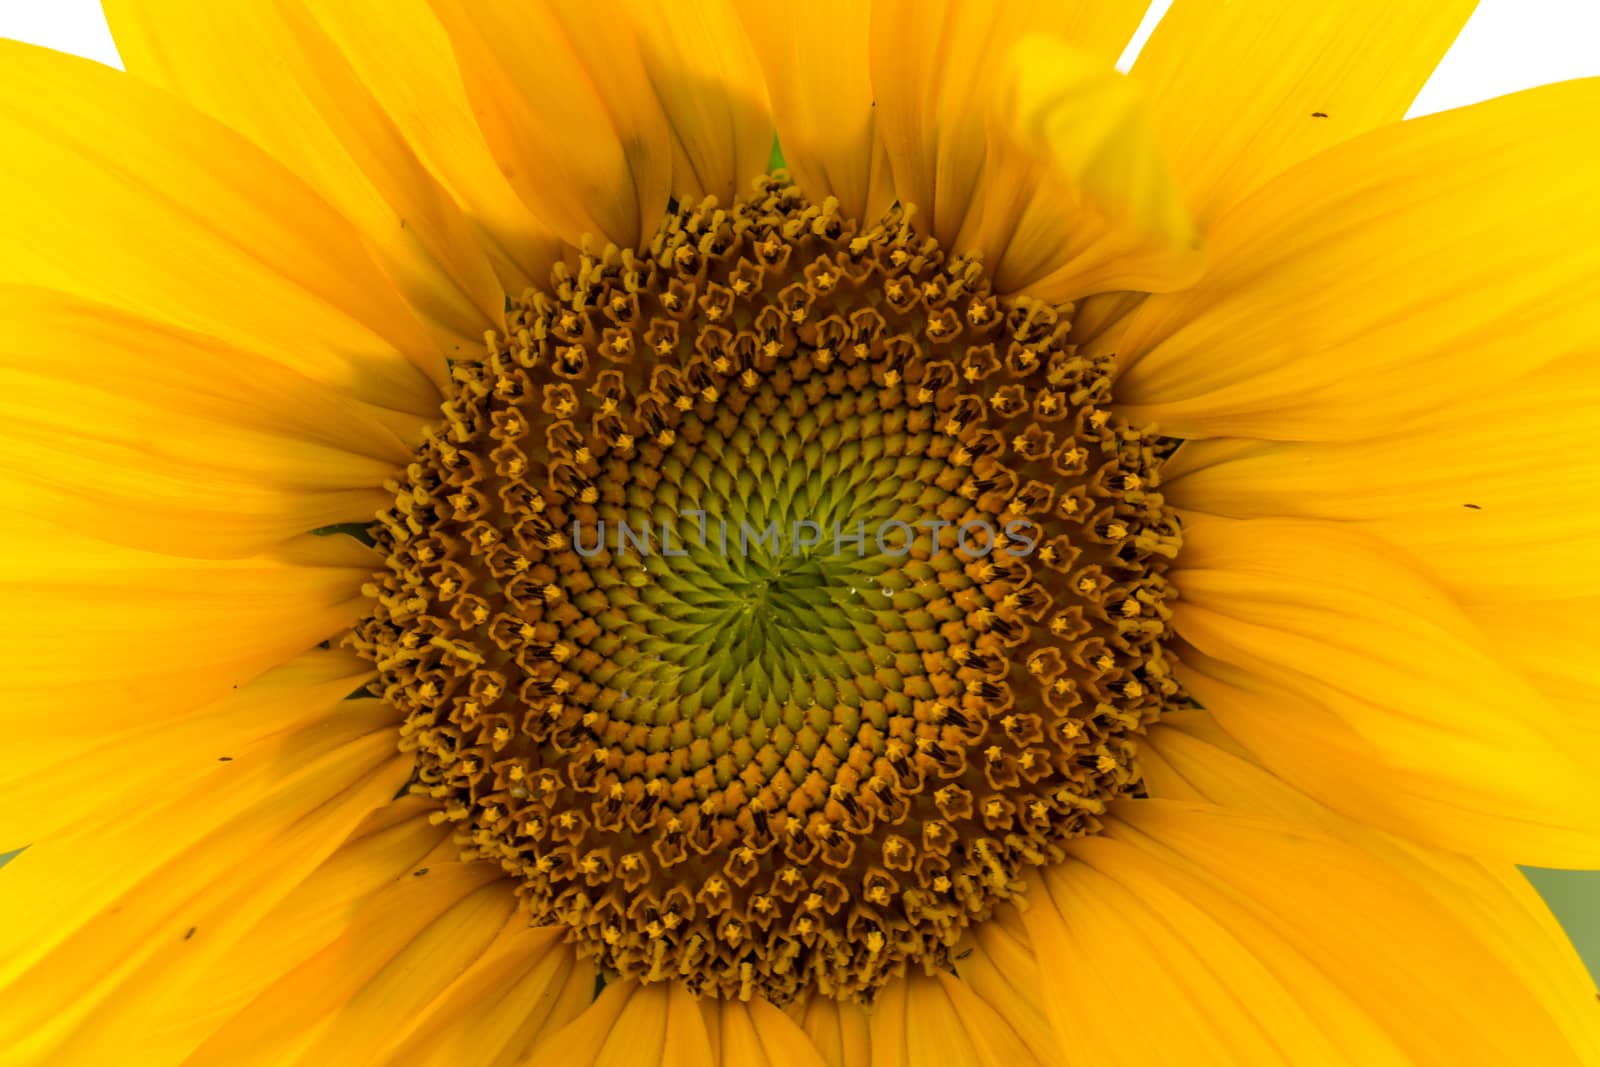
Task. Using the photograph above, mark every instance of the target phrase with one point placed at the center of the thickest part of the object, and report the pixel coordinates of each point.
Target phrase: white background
(1508, 45)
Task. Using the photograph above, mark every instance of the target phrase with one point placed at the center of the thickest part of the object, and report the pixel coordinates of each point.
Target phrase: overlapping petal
(154, 436)
(1360, 682)
(122, 193)
(207, 855)
(1417, 266)
(270, 71)
(1256, 935)
(815, 62)
(935, 69)
(596, 122)
(1190, 757)
(1492, 494)
(126, 638)
(1243, 89)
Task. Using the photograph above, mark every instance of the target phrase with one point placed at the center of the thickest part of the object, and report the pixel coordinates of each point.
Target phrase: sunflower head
(768, 648)
(878, 621)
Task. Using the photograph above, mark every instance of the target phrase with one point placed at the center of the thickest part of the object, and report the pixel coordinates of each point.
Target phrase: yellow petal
(948, 1013)
(1098, 28)
(1351, 676)
(712, 95)
(1551, 643)
(934, 70)
(1243, 89)
(191, 987)
(756, 1034)
(888, 1026)
(595, 121)
(134, 638)
(163, 439)
(119, 191)
(1419, 264)
(1075, 198)
(815, 60)
(663, 1023)
(457, 950)
(405, 945)
(91, 772)
(838, 1031)
(271, 72)
(923, 1021)
(935, 1031)
(1495, 495)
(1195, 759)
(527, 983)
(1157, 967)
(688, 1039)
(1100, 321)
(1000, 969)
(585, 150)
(626, 1026)
(402, 54)
(108, 895)
(1191, 933)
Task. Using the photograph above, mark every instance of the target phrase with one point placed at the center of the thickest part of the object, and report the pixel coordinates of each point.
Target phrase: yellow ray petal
(271, 72)
(1419, 264)
(404, 946)
(1196, 759)
(596, 121)
(935, 1031)
(1098, 28)
(888, 1026)
(923, 1021)
(1001, 970)
(688, 1039)
(521, 985)
(1099, 322)
(1243, 89)
(839, 1032)
(191, 987)
(582, 1039)
(816, 65)
(934, 70)
(525, 984)
(91, 771)
(119, 191)
(283, 776)
(586, 152)
(1357, 680)
(106, 896)
(626, 1026)
(130, 638)
(956, 1015)
(1192, 933)
(1495, 495)
(1551, 643)
(1075, 198)
(712, 95)
(1205, 994)
(156, 437)
(402, 54)
(405, 943)
(756, 1034)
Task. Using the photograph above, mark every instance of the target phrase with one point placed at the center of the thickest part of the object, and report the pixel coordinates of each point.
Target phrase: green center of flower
(767, 603)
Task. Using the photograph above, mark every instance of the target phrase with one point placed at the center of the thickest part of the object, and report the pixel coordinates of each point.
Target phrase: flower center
(769, 602)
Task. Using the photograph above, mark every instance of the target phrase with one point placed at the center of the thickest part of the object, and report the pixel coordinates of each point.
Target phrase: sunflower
(793, 534)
